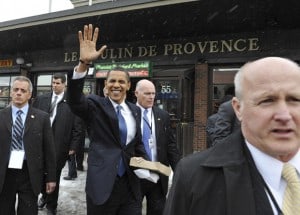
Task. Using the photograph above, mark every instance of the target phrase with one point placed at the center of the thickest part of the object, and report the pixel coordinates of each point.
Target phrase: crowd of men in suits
(60, 133)
(36, 141)
(49, 130)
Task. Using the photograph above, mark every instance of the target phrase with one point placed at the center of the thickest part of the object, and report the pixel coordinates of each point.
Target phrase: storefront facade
(192, 69)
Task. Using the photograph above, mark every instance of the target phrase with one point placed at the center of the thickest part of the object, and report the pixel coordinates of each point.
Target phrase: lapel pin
(32, 116)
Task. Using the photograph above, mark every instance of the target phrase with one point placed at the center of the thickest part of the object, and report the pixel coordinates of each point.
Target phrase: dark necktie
(123, 138)
(146, 133)
(53, 104)
(18, 132)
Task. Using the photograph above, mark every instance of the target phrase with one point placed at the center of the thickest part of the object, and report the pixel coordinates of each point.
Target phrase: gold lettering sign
(6, 63)
(176, 49)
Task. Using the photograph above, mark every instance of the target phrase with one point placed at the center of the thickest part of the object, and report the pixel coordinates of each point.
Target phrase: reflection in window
(44, 80)
(223, 79)
(223, 82)
(43, 84)
(5, 85)
(167, 95)
(89, 87)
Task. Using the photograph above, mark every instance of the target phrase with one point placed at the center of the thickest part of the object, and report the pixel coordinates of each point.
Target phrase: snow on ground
(71, 198)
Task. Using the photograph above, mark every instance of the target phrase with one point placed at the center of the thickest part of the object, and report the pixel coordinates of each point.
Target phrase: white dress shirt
(151, 120)
(59, 98)
(270, 169)
(129, 120)
(126, 112)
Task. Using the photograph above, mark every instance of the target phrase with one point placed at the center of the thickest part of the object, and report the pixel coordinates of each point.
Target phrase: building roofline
(87, 11)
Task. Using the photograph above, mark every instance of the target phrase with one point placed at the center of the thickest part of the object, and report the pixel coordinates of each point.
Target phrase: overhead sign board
(138, 69)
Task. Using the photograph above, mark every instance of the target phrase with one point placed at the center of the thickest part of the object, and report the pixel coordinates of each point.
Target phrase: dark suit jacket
(217, 181)
(105, 147)
(66, 129)
(38, 144)
(167, 151)
(226, 122)
(210, 128)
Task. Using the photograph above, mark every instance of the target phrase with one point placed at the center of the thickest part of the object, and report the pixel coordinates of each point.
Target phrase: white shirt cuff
(78, 75)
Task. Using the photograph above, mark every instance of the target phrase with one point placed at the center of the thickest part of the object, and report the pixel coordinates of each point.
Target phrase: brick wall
(200, 106)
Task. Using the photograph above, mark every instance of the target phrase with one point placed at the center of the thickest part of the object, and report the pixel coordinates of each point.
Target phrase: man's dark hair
(226, 98)
(121, 70)
(61, 76)
(230, 91)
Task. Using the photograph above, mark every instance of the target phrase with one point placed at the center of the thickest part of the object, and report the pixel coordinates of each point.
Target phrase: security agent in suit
(75, 161)
(22, 171)
(161, 143)
(109, 190)
(225, 122)
(242, 174)
(66, 131)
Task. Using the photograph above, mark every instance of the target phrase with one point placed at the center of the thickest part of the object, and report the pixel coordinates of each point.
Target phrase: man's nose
(283, 112)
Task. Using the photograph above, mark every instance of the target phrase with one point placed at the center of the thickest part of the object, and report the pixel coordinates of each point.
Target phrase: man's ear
(129, 85)
(236, 104)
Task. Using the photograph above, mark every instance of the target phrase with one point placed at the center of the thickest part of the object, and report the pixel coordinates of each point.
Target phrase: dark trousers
(72, 166)
(17, 182)
(154, 196)
(80, 154)
(52, 198)
(120, 202)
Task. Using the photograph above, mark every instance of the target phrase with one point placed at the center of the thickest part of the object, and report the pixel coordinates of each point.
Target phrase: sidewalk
(71, 198)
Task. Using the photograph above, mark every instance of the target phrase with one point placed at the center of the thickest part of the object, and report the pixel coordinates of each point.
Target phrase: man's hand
(50, 186)
(87, 42)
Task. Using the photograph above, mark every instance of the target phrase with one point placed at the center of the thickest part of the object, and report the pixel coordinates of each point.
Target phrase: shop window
(5, 86)
(167, 95)
(89, 87)
(43, 84)
(223, 79)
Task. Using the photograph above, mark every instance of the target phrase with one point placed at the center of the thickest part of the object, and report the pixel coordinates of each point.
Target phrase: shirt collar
(116, 104)
(269, 167)
(24, 109)
(142, 108)
(60, 96)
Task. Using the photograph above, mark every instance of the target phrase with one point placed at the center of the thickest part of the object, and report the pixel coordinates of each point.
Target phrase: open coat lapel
(31, 116)
(238, 184)
(8, 119)
(113, 119)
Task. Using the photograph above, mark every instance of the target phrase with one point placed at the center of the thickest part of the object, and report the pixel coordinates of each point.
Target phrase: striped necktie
(18, 127)
(291, 199)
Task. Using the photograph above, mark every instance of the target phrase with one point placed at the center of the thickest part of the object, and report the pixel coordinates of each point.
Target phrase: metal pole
(50, 5)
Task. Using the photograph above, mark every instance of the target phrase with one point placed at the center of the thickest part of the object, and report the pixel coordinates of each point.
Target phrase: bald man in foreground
(245, 174)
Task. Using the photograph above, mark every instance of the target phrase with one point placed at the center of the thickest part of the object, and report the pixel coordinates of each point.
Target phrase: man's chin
(18, 104)
(117, 99)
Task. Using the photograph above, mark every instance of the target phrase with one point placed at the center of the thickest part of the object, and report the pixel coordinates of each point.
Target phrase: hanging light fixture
(20, 61)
